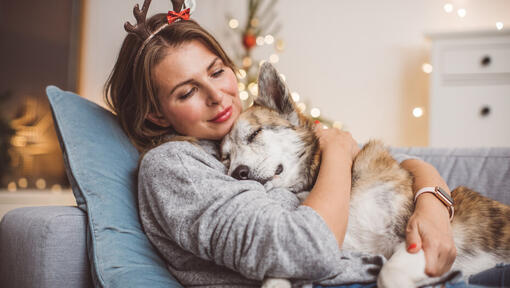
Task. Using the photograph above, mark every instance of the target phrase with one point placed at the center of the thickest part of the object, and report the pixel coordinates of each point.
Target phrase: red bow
(173, 16)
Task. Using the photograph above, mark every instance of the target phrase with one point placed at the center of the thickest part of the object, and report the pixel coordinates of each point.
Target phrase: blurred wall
(358, 61)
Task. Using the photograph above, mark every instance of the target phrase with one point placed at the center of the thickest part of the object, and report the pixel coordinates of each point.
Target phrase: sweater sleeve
(233, 223)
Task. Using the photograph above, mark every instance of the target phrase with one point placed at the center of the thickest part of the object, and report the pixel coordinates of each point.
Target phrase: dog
(273, 143)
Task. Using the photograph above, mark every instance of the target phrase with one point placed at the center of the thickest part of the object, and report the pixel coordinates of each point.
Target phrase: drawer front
(470, 117)
(476, 59)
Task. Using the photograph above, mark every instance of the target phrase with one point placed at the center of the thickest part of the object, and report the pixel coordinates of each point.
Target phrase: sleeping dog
(273, 143)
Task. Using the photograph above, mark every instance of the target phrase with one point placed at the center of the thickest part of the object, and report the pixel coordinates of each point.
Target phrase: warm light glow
(233, 23)
(11, 187)
(254, 22)
(301, 106)
(448, 7)
(243, 95)
(283, 77)
(280, 45)
(499, 25)
(241, 86)
(22, 182)
(338, 125)
(260, 40)
(427, 68)
(56, 188)
(417, 112)
(461, 13)
(241, 73)
(269, 39)
(325, 127)
(315, 112)
(40, 183)
(274, 58)
(295, 96)
(253, 88)
(247, 62)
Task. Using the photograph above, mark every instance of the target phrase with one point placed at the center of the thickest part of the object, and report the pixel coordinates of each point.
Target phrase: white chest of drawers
(470, 89)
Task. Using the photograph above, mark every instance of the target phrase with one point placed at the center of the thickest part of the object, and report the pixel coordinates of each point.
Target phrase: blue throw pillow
(101, 164)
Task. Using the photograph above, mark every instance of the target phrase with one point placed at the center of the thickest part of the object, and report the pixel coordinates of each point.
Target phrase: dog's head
(272, 141)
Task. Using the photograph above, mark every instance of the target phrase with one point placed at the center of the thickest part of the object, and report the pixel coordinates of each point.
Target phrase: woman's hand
(333, 141)
(429, 227)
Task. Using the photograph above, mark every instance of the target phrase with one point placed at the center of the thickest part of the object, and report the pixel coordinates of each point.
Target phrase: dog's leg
(403, 269)
(276, 283)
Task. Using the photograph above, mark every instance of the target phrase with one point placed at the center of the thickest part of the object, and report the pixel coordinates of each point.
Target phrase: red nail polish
(317, 122)
(411, 247)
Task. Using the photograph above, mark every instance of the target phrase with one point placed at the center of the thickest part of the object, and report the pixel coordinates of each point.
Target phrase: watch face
(444, 194)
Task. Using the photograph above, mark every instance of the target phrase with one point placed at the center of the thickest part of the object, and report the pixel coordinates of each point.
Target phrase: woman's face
(197, 92)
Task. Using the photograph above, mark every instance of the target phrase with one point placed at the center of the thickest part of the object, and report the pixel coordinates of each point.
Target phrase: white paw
(403, 269)
(276, 283)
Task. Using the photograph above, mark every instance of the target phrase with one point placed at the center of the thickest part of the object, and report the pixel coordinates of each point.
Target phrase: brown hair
(131, 91)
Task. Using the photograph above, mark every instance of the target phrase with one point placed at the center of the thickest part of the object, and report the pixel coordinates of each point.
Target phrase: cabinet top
(467, 34)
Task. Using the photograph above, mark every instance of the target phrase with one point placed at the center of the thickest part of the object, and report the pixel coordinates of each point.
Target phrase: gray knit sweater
(216, 231)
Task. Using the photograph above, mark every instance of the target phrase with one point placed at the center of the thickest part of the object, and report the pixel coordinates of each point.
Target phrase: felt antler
(140, 15)
(177, 4)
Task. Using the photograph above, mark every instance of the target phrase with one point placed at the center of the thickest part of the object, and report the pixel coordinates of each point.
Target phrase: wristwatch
(440, 194)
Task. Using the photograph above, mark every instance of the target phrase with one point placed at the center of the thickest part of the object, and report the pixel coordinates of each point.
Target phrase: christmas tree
(260, 29)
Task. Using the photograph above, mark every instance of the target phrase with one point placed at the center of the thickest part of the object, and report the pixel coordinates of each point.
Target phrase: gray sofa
(46, 246)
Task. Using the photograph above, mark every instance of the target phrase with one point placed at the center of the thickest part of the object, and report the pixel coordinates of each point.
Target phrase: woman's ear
(158, 119)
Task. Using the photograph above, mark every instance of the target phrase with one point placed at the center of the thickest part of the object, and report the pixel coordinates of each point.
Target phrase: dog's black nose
(241, 172)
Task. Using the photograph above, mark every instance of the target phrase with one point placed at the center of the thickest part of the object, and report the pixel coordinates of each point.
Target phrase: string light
(253, 88)
(233, 23)
(40, 183)
(301, 106)
(241, 86)
(461, 12)
(427, 68)
(22, 182)
(269, 39)
(417, 112)
(241, 73)
(315, 112)
(11, 187)
(260, 40)
(280, 45)
(338, 125)
(254, 22)
(295, 96)
(499, 25)
(247, 61)
(274, 58)
(243, 95)
(448, 7)
(56, 188)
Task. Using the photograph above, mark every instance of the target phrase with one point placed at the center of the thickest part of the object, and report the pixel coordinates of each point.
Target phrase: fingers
(413, 238)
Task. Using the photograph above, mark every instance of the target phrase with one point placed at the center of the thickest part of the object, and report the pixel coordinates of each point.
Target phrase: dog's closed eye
(253, 135)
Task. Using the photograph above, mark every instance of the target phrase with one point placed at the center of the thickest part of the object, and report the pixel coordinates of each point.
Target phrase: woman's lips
(223, 115)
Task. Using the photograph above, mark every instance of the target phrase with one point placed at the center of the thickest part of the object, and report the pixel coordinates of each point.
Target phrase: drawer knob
(485, 111)
(486, 61)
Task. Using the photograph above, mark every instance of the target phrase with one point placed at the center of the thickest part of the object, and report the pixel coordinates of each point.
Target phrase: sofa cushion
(101, 165)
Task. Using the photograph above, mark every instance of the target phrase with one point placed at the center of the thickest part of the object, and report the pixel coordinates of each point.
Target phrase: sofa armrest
(44, 247)
(486, 170)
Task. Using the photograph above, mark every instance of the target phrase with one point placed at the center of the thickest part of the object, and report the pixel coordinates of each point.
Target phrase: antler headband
(141, 30)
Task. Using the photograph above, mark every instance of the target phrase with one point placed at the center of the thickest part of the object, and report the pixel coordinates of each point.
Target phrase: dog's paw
(389, 277)
(276, 283)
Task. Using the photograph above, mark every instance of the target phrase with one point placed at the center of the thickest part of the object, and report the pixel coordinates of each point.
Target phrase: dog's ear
(274, 93)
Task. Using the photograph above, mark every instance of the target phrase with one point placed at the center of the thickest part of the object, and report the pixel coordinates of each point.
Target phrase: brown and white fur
(273, 143)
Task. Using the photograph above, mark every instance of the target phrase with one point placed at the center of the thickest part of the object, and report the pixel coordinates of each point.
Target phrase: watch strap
(441, 195)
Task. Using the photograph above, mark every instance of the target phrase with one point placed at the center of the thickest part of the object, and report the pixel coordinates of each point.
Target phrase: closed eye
(253, 135)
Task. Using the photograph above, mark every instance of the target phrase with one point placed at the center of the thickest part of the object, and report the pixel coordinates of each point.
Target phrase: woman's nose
(214, 96)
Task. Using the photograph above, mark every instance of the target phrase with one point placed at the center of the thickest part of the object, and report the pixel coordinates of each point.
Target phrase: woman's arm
(429, 226)
(330, 194)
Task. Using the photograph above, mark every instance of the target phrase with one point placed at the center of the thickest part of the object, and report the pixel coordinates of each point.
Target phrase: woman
(176, 82)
